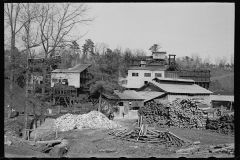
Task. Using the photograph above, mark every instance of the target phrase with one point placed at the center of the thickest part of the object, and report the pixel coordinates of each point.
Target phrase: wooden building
(77, 76)
(177, 89)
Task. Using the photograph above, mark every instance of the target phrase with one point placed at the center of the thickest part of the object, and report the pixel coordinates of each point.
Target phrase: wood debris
(151, 136)
(91, 120)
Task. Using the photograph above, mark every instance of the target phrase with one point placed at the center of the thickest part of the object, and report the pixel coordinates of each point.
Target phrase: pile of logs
(186, 114)
(222, 148)
(148, 135)
(224, 124)
(154, 113)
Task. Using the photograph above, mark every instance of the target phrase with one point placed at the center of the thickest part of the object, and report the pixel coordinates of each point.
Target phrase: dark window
(147, 74)
(120, 103)
(158, 74)
(145, 82)
(135, 74)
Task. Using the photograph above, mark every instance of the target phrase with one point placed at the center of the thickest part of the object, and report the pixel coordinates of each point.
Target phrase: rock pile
(91, 120)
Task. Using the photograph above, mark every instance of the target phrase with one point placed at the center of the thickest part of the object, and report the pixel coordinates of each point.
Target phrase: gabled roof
(128, 95)
(147, 96)
(222, 98)
(77, 69)
(181, 88)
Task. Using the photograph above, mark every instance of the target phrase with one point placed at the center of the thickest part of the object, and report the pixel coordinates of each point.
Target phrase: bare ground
(97, 143)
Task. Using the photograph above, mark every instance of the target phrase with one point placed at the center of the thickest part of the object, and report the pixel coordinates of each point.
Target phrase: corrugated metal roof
(222, 98)
(128, 95)
(174, 79)
(180, 88)
(77, 69)
(146, 95)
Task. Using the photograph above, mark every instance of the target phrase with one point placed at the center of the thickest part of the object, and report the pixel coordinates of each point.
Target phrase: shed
(223, 100)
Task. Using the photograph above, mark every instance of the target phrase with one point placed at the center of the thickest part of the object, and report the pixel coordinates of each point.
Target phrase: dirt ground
(97, 143)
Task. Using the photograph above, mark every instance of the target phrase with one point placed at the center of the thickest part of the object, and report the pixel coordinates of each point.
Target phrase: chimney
(171, 58)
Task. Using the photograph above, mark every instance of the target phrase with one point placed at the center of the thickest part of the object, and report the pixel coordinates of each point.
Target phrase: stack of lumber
(224, 124)
(222, 148)
(149, 136)
(186, 114)
(154, 112)
(91, 120)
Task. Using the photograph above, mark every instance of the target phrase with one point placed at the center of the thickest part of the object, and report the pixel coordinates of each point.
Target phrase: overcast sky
(181, 28)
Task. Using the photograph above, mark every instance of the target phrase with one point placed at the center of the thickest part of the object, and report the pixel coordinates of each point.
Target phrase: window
(120, 103)
(135, 74)
(145, 82)
(147, 74)
(158, 74)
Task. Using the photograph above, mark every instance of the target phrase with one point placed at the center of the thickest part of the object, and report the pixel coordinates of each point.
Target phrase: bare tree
(223, 61)
(56, 21)
(139, 52)
(197, 59)
(207, 60)
(13, 13)
(217, 60)
(232, 60)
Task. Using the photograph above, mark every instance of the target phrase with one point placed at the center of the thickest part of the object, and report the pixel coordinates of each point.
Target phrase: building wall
(73, 78)
(206, 98)
(137, 82)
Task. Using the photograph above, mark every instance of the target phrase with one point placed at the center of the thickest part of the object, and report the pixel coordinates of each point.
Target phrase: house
(226, 101)
(176, 89)
(145, 69)
(76, 76)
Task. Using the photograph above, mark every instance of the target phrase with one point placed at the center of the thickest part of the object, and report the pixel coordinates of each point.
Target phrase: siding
(137, 82)
(73, 78)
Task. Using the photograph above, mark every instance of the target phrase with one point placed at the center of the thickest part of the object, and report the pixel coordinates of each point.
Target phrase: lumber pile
(223, 148)
(91, 120)
(224, 124)
(154, 113)
(186, 114)
(149, 136)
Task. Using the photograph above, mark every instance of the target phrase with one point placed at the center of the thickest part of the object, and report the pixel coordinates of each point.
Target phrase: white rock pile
(91, 120)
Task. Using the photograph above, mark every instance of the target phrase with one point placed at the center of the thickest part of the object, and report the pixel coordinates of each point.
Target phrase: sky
(181, 28)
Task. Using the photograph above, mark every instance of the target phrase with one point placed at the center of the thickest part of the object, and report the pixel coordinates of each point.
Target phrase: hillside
(222, 81)
(18, 98)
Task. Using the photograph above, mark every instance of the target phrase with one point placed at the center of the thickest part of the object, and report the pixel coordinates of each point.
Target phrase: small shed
(226, 101)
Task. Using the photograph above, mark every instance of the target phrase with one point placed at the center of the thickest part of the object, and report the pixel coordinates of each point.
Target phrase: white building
(72, 76)
(145, 69)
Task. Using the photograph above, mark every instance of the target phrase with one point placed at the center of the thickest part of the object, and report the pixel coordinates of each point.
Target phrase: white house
(71, 76)
(144, 70)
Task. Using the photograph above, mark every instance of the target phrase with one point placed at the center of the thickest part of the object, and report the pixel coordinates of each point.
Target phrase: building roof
(151, 68)
(128, 95)
(175, 79)
(77, 69)
(222, 98)
(181, 88)
(147, 96)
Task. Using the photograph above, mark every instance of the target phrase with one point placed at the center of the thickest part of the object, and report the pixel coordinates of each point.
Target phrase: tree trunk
(100, 101)
(11, 72)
